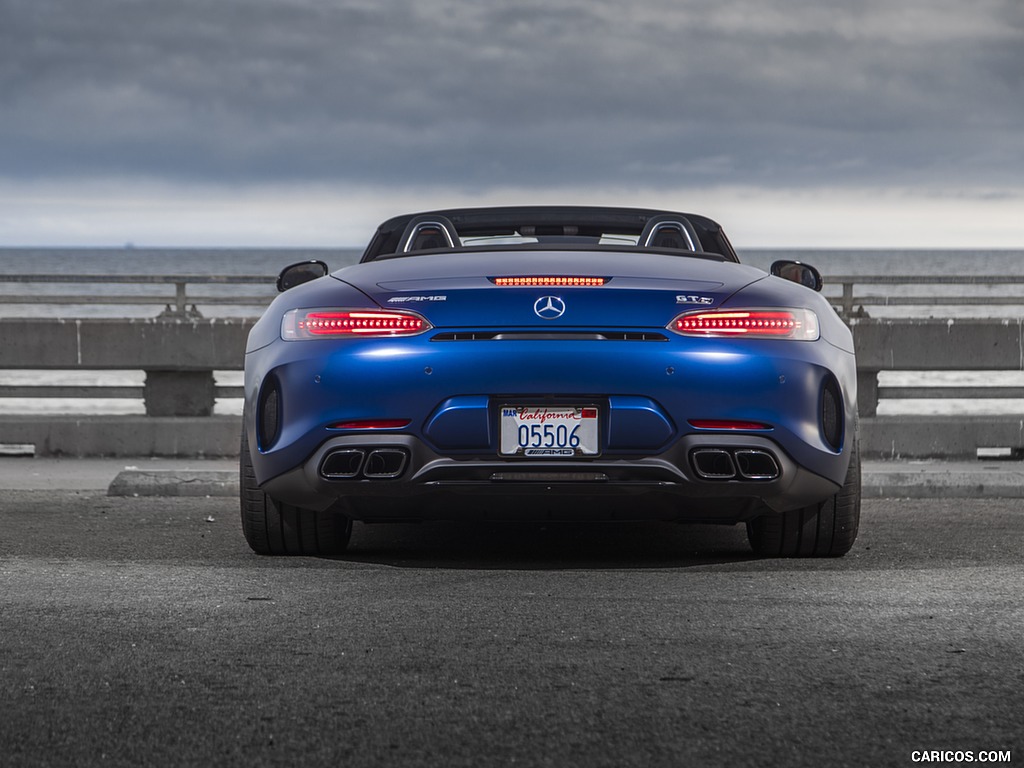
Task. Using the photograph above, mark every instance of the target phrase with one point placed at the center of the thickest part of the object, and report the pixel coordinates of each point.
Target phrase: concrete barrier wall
(149, 344)
(936, 345)
(179, 356)
(911, 344)
(932, 345)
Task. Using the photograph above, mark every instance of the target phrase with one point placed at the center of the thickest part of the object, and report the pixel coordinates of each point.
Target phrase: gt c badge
(549, 307)
(700, 300)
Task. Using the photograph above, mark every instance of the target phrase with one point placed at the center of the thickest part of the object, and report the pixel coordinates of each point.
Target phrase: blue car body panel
(611, 348)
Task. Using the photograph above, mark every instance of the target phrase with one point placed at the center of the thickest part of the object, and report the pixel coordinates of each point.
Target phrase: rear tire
(826, 529)
(273, 528)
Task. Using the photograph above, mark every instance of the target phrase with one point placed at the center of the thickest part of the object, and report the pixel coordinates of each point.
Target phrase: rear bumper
(428, 485)
(451, 394)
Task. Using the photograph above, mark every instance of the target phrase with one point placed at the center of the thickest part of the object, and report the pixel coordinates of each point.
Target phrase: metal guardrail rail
(177, 304)
(848, 302)
(98, 391)
(121, 392)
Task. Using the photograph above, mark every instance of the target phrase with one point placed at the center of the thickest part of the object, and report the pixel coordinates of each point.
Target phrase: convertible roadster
(552, 363)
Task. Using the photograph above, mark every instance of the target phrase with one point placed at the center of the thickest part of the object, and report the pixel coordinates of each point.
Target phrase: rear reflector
(335, 323)
(548, 281)
(832, 413)
(371, 424)
(799, 324)
(723, 424)
(268, 423)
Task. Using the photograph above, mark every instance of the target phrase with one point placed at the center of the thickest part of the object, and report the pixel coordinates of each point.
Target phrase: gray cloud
(460, 92)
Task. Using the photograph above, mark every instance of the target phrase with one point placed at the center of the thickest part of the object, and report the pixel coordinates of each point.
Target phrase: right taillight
(795, 324)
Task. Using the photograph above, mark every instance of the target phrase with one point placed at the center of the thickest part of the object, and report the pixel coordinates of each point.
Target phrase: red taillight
(801, 324)
(764, 323)
(549, 281)
(335, 323)
(724, 424)
(371, 424)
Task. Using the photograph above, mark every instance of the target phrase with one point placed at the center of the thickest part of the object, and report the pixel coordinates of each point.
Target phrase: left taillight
(796, 324)
(350, 323)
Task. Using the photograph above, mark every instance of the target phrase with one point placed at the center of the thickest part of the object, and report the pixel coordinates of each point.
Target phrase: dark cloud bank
(772, 94)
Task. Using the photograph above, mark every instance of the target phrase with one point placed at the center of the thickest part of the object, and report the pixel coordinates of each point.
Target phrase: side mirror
(798, 272)
(302, 272)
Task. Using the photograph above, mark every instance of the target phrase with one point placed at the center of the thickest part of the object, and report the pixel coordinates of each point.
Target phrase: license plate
(544, 431)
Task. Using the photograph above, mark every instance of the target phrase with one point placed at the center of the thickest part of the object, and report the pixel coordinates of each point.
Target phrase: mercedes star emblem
(549, 307)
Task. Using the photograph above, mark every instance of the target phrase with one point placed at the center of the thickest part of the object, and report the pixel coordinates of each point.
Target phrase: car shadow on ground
(547, 546)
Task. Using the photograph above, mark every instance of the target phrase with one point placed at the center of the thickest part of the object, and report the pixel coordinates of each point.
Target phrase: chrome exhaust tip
(713, 464)
(342, 464)
(756, 465)
(385, 463)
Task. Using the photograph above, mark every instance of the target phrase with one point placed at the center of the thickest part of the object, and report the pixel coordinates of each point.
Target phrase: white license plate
(544, 431)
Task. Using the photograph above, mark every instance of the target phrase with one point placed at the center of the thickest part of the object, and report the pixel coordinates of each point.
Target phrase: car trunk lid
(556, 290)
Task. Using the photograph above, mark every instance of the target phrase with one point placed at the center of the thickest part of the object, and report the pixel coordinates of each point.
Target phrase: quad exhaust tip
(355, 463)
(756, 465)
(344, 464)
(708, 463)
(713, 464)
(729, 464)
(385, 463)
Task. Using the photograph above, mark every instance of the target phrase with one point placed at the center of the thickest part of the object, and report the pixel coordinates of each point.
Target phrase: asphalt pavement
(141, 631)
(138, 629)
(920, 479)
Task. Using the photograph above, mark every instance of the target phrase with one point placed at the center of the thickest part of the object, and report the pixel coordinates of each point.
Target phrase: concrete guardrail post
(867, 393)
(179, 393)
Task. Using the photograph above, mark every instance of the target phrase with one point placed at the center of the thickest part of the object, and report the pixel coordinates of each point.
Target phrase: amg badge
(689, 299)
(397, 299)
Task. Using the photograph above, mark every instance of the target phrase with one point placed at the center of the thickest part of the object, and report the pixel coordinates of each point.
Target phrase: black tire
(273, 528)
(827, 529)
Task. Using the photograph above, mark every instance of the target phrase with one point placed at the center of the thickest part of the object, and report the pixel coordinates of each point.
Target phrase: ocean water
(168, 261)
(265, 264)
(883, 261)
(269, 261)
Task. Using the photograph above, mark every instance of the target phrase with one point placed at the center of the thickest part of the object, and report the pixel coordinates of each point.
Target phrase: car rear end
(487, 386)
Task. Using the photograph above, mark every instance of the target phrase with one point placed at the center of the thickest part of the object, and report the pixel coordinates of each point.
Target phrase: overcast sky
(306, 122)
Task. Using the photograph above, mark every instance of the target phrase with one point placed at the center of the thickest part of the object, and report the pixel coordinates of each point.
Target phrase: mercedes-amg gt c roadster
(552, 363)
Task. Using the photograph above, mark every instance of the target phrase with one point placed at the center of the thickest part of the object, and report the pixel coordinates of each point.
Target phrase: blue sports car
(569, 363)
